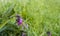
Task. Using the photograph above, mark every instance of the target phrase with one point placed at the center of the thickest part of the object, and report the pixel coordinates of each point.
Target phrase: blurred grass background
(40, 15)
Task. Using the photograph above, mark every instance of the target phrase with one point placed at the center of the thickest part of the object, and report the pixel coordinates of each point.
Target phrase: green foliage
(40, 15)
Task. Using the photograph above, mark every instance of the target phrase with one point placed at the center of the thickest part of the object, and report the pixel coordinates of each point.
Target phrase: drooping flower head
(23, 33)
(49, 33)
(19, 20)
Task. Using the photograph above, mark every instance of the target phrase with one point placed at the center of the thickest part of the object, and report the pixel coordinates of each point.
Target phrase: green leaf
(9, 11)
(5, 15)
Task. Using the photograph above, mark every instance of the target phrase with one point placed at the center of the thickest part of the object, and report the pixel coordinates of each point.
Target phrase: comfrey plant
(19, 21)
(49, 33)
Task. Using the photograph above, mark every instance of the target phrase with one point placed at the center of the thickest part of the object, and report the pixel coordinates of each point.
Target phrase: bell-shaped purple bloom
(49, 33)
(19, 21)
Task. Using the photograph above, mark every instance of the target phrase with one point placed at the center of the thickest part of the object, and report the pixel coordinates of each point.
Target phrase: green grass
(40, 15)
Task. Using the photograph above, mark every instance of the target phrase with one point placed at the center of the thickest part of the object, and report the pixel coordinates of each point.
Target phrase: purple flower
(49, 33)
(19, 21)
(23, 34)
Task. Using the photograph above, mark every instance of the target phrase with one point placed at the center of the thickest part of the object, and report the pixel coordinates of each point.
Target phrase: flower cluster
(19, 20)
